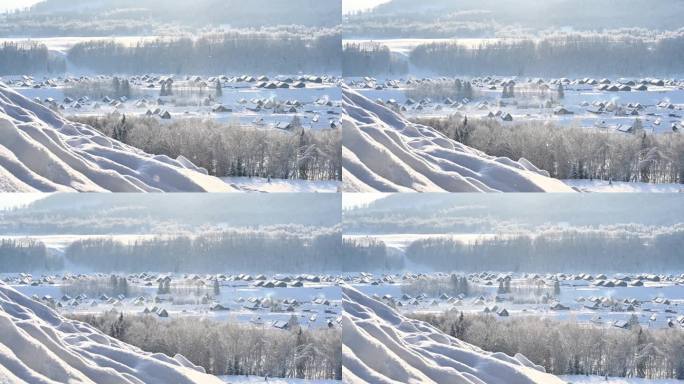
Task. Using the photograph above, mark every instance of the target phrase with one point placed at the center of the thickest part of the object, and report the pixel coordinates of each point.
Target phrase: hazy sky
(10, 5)
(352, 200)
(11, 200)
(349, 6)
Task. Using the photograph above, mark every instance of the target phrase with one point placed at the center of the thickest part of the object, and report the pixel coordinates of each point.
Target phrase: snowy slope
(383, 152)
(41, 151)
(381, 346)
(39, 346)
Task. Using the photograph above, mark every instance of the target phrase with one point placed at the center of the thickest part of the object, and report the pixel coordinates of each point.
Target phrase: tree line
(455, 89)
(230, 348)
(25, 255)
(570, 348)
(94, 286)
(626, 54)
(452, 285)
(569, 250)
(231, 149)
(28, 58)
(367, 254)
(566, 55)
(292, 50)
(368, 59)
(288, 249)
(573, 152)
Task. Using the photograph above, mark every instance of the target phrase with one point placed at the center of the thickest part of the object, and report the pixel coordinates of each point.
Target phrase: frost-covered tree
(218, 90)
(282, 249)
(234, 149)
(501, 289)
(232, 348)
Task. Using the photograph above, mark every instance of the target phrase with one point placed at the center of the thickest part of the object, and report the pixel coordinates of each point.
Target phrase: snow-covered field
(578, 379)
(260, 184)
(248, 100)
(585, 104)
(267, 301)
(657, 301)
(623, 187)
(270, 380)
(382, 346)
(383, 152)
(40, 346)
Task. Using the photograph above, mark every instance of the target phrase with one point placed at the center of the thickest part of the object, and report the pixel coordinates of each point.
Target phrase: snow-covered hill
(42, 151)
(383, 152)
(39, 346)
(381, 346)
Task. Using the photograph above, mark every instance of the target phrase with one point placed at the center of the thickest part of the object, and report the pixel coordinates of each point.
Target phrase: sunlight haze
(349, 6)
(12, 5)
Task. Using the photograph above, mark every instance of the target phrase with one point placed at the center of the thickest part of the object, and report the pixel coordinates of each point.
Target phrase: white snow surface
(260, 184)
(581, 379)
(40, 151)
(272, 380)
(39, 346)
(384, 152)
(623, 187)
(382, 346)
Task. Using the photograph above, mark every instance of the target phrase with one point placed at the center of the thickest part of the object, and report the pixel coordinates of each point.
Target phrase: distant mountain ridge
(578, 14)
(234, 12)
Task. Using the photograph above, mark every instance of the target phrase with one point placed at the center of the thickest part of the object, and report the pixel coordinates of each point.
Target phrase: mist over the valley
(538, 233)
(176, 233)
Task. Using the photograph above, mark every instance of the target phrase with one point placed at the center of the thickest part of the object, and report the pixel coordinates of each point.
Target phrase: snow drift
(381, 346)
(383, 152)
(40, 151)
(39, 346)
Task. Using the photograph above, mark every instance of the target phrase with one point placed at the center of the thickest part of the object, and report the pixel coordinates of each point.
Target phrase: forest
(564, 55)
(283, 249)
(18, 256)
(25, 58)
(569, 348)
(455, 89)
(568, 250)
(231, 149)
(573, 152)
(227, 348)
(267, 50)
(367, 254)
(369, 59)
(556, 55)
